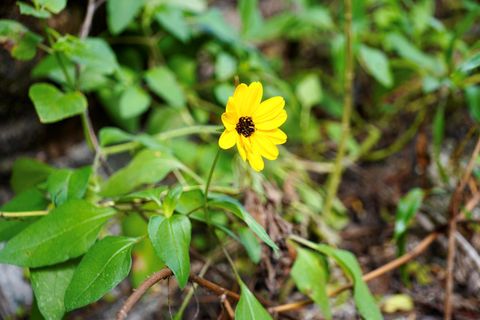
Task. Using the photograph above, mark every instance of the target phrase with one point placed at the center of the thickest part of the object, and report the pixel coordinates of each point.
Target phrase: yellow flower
(253, 125)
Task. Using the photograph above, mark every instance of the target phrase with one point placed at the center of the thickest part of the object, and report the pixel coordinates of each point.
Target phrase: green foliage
(120, 14)
(147, 167)
(248, 308)
(27, 173)
(163, 82)
(49, 285)
(171, 239)
(53, 105)
(310, 273)
(377, 64)
(63, 185)
(408, 206)
(103, 267)
(66, 232)
(21, 42)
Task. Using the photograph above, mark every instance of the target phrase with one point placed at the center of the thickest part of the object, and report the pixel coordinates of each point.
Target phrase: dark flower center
(245, 126)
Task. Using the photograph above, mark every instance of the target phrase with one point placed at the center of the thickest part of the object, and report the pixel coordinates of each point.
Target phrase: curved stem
(335, 176)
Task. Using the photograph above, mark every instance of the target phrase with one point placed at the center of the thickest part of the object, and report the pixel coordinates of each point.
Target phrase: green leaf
(147, 167)
(377, 65)
(251, 244)
(248, 308)
(310, 273)
(213, 22)
(171, 239)
(110, 135)
(27, 173)
(52, 105)
(63, 185)
(66, 232)
(407, 207)
(309, 91)
(232, 205)
(171, 199)
(225, 66)
(49, 285)
(470, 64)
(28, 10)
(133, 102)
(250, 15)
(104, 266)
(120, 13)
(173, 21)
(21, 43)
(54, 6)
(361, 294)
(163, 82)
(28, 200)
(95, 55)
(472, 95)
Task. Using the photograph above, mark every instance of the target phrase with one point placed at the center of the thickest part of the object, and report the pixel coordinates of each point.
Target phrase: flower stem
(207, 187)
(335, 176)
(23, 214)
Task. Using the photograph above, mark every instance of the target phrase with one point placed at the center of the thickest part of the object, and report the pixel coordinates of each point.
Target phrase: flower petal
(229, 120)
(268, 109)
(241, 147)
(232, 107)
(255, 160)
(227, 139)
(276, 136)
(272, 123)
(265, 146)
(251, 99)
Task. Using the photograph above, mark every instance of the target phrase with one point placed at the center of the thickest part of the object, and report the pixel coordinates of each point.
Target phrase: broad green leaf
(66, 232)
(421, 15)
(49, 285)
(52, 105)
(472, 95)
(173, 20)
(310, 274)
(95, 55)
(133, 102)
(65, 184)
(250, 243)
(29, 10)
(27, 173)
(121, 12)
(163, 82)
(147, 167)
(102, 268)
(309, 91)
(225, 66)
(110, 135)
(28, 200)
(407, 207)
(248, 308)
(364, 300)
(213, 22)
(189, 201)
(188, 5)
(223, 92)
(171, 200)
(250, 15)
(21, 43)
(376, 63)
(54, 6)
(232, 205)
(171, 239)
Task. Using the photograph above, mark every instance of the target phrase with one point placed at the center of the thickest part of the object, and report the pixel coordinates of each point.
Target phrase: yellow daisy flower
(253, 125)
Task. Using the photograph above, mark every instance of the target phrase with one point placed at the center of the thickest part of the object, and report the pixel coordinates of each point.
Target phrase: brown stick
(452, 229)
(137, 294)
(227, 306)
(215, 288)
(419, 249)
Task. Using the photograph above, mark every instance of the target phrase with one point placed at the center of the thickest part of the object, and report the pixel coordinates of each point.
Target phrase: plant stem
(335, 176)
(207, 187)
(123, 147)
(23, 214)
